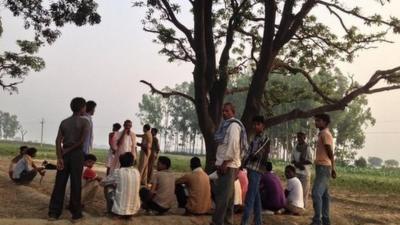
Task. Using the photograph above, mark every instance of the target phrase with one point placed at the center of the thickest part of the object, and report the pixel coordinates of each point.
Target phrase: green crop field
(383, 181)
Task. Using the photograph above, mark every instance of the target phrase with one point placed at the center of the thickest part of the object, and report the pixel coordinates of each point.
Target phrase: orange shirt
(324, 138)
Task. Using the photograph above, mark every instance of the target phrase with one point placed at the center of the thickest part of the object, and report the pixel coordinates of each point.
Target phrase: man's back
(165, 191)
(72, 129)
(198, 184)
(127, 201)
(272, 195)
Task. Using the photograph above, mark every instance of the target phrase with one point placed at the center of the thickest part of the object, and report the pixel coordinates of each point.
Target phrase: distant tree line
(376, 162)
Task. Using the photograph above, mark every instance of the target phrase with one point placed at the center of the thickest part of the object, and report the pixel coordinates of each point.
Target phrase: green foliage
(43, 18)
(360, 162)
(375, 161)
(391, 163)
(8, 125)
(151, 110)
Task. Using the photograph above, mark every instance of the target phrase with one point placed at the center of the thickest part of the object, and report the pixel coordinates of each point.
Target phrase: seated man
(15, 160)
(161, 196)
(121, 188)
(90, 180)
(294, 192)
(197, 184)
(25, 169)
(271, 191)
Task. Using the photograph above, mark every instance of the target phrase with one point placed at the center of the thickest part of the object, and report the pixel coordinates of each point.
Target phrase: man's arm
(182, 180)
(329, 152)
(149, 144)
(59, 150)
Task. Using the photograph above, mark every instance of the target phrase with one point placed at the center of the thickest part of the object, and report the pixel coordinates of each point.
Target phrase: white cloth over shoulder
(230, 148)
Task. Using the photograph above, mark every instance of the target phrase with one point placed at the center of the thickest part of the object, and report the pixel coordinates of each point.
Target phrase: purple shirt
(272, 194)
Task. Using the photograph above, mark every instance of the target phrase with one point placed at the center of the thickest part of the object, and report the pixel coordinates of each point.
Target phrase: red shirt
(89, 174)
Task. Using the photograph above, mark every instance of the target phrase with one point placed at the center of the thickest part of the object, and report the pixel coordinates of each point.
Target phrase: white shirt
(24, 164)
(307, 168)
(126, 200)
(295, 192)
(230, 148)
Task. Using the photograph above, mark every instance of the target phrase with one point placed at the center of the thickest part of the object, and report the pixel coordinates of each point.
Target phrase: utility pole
(41, 133)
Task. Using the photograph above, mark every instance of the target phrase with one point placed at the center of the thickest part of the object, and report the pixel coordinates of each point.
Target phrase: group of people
(130, 184)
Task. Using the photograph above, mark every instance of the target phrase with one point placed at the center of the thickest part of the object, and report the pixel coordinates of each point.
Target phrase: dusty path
(27, 205)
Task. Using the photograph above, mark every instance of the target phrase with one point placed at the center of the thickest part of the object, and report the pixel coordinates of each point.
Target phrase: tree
(375, 161)
(43, 18)
(263, 37)
(23, 132)
(151, 110)
(8, 124)
(360, 162)
(391, 163)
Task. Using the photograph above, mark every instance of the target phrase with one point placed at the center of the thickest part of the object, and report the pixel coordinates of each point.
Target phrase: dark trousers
(148, 203)
(180, 195)
(26, 177)
(224, 196)
(73, 166)
(152, 160)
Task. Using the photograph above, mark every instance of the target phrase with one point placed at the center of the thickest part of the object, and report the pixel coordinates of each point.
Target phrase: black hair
(31, 151)
(77, 104)
(268, 165)
(90, 105)
(146, 127)
(165, 161)
(116, 126)
(126, 159)
(195, 162)
(154, 130)
(22, 149)
(258, 119)
(230, 104)
(324, 117)
(127, 121)
(291, 168)
(90, 157)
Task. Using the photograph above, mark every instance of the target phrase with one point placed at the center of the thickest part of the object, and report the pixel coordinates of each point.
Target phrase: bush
(360, 162)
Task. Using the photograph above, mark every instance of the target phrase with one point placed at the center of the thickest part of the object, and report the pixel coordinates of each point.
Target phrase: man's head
(127, 124)
(126, 159)
(22, 149)
(78, 105)
(163, 163)
(90, 107)
(195, 163)
(268, 166)
(228, 111)
(31, 152)
(258, 124)
(146, 128)
(322, 121)
(301, 137)
(290, 171)
(154, 131)
(116, 127)
(90, 160)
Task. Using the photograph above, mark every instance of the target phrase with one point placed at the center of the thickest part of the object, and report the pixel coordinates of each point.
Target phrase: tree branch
(167, 94)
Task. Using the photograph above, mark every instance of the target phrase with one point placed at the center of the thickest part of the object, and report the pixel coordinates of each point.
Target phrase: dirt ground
(28, 205)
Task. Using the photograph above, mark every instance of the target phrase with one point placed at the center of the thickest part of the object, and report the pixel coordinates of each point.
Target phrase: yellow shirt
(324, 138)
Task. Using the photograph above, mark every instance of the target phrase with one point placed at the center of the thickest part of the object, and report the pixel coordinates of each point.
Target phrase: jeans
(223, 193)
(320, 195)
(253, 199)
(73, 166)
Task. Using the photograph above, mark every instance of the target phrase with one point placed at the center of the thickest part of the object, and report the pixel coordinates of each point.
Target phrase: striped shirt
(127, 181)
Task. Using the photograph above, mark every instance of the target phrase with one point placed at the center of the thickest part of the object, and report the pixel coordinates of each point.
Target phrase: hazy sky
(105, 63)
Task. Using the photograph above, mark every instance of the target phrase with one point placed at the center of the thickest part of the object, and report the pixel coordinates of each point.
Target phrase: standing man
(125, 141)
(147, 142)
(254, 161)
(301, 159)
(155, 149)
(324, 169)
(88, 144)
(231, 138)
(69, 145)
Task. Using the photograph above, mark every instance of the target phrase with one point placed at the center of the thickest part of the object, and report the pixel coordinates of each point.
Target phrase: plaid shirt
(257, 162)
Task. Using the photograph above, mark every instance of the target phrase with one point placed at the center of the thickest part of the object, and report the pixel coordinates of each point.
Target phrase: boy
(25, 169)
(294, 192)
(121, 188)
(90, 180)
(161, 196)
(113, 148)
(15, 160)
